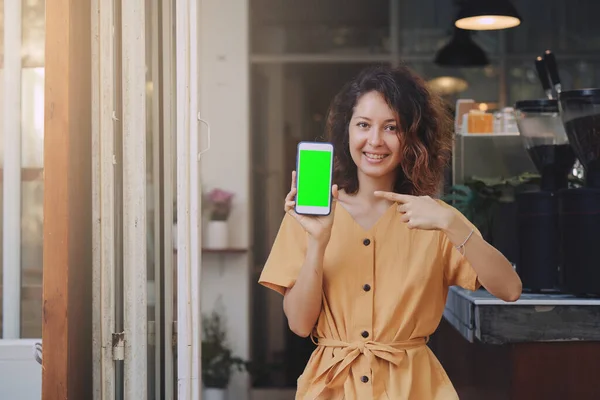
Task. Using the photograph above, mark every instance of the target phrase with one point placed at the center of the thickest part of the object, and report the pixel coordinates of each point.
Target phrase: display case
(497, 153)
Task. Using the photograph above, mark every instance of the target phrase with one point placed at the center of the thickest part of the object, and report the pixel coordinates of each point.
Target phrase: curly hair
(425, 129)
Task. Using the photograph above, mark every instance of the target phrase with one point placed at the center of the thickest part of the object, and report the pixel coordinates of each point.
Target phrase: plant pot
(213, 394)
(217, 235)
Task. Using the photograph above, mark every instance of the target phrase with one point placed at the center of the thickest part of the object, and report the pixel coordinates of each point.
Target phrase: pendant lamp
(448, 85)
(461, 51)
(483, 15)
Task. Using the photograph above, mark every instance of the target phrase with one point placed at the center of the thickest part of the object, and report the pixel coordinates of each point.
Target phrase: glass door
(136, 183)
(22, 33)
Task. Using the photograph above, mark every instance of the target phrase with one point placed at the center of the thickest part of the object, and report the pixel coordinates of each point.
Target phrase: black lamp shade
(487, 15)
(461, 51)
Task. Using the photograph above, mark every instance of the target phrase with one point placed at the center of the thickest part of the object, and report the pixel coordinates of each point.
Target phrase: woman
(369, 282)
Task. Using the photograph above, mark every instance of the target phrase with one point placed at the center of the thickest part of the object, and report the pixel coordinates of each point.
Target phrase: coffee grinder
(538, 229)
(579, 208)
(546, 142)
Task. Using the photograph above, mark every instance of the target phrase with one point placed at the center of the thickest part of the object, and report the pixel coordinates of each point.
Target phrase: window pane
(32, 117)
(427, 25)
(314, 26)
(32, 163)
(562, 26)
(32, 236)
(32, 159)
(481, 83)
(523, 82)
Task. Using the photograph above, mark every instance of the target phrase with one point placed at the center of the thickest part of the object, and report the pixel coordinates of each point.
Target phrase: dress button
(364, 379)
(365, 334)
(366, 242)
(366, 287)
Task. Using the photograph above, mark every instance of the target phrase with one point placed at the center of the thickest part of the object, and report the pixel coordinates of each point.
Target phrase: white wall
(224, 103)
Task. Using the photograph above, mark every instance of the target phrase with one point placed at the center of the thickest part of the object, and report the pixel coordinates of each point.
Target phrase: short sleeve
(286, 257)
(457, 269)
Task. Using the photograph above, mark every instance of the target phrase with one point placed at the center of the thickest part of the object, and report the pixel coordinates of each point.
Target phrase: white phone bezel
(318, 146)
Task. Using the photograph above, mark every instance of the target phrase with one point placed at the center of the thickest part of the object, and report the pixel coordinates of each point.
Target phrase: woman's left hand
(420, 212)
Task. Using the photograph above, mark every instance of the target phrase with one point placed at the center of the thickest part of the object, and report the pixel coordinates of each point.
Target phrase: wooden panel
(552, 370)
(476, 370)
(567, 370)
(67, 303)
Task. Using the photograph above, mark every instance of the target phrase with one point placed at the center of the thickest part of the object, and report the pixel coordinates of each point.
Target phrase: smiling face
(374, 141)
(404, 146)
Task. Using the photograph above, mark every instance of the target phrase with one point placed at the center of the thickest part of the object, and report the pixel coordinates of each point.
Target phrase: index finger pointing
(401, 198)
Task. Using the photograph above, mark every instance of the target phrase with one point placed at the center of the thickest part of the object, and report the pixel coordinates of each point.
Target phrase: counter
(543, 346)
(532, 318)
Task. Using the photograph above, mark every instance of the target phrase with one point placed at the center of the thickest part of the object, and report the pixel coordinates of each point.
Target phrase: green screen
(314, 168)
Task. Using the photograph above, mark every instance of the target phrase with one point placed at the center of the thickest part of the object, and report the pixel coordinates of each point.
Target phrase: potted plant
(489, 203)
(218, 361)
(219, 207)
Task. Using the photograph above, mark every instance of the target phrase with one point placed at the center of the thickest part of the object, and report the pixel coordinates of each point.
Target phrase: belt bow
(335, 372)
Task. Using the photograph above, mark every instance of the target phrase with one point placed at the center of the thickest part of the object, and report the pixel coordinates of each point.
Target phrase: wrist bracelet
(462, 245)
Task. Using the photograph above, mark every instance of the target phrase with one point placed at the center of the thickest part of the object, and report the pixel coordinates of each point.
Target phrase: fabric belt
(335, 372)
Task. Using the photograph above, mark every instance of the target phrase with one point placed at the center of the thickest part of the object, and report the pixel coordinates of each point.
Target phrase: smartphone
(314, 175)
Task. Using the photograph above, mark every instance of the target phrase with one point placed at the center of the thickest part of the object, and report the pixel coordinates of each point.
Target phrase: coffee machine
(579, 208)
(547, 144)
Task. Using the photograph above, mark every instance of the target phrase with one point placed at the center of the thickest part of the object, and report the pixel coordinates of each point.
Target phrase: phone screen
(314, 180)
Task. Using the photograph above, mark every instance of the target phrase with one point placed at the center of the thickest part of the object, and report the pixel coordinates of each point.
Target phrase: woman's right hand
(318, 227)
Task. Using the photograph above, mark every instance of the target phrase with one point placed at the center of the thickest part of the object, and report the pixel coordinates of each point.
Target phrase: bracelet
(462, 245)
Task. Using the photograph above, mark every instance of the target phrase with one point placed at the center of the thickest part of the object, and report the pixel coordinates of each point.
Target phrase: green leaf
(218, 361)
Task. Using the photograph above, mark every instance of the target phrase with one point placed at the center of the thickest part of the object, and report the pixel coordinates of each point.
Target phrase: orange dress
(384, 292)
